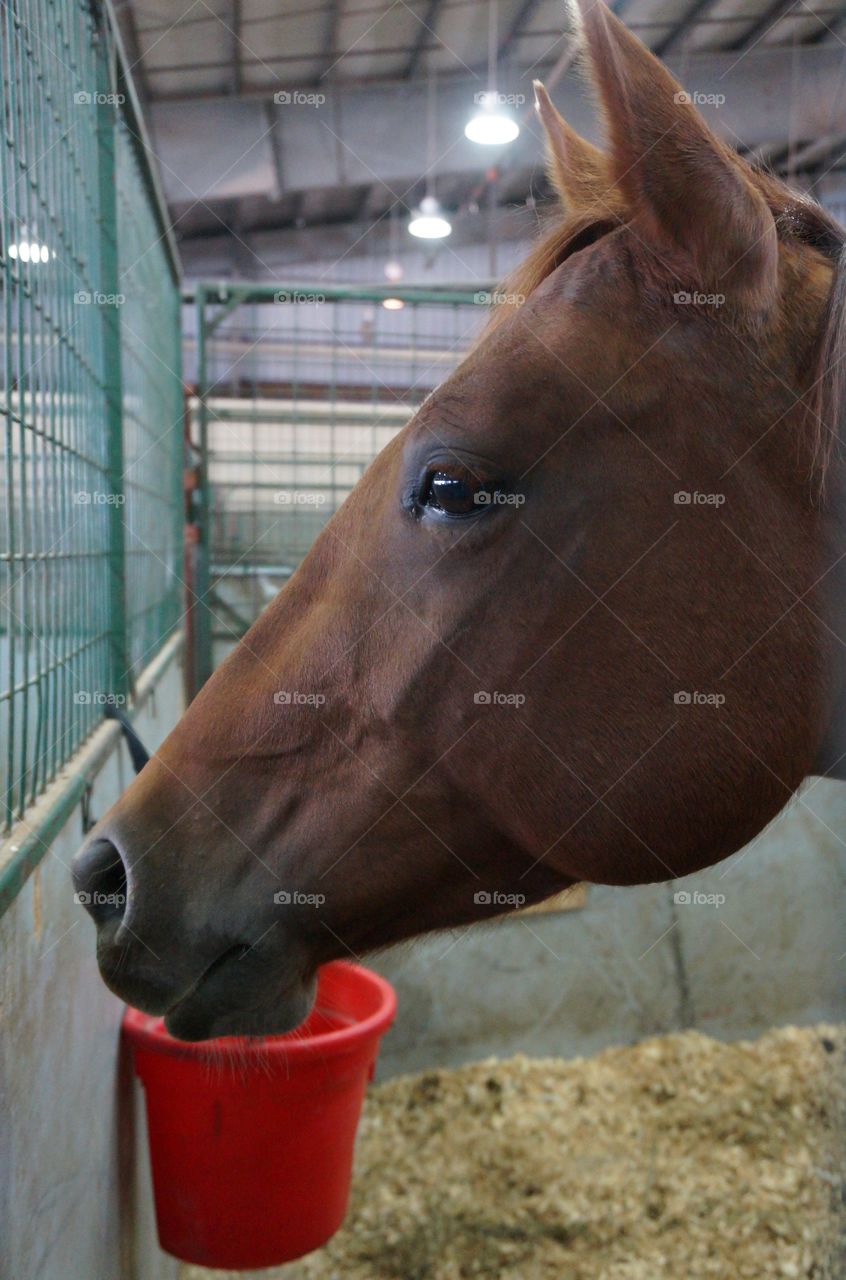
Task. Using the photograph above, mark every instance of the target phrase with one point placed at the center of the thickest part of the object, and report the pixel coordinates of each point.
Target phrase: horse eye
(456, 495)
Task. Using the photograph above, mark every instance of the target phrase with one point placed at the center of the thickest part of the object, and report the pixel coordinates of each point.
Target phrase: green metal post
(107, 307)
(201, 605)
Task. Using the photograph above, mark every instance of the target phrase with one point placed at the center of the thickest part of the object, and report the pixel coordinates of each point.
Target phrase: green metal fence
(298, 387)
(90, 391)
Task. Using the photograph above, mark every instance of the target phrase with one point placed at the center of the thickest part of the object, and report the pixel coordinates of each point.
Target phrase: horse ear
(686, 190)
(581, 173)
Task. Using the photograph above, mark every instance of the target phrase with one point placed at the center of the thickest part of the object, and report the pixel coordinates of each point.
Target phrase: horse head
(578, 621)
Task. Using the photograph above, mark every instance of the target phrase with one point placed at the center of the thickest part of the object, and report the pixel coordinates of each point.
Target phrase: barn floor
(679, 1156)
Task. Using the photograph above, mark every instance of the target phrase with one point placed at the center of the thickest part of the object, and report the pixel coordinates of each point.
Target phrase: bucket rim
(147, 1031)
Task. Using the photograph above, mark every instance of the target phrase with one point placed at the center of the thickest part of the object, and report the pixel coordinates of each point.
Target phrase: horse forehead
(544, 346)
(484, 388)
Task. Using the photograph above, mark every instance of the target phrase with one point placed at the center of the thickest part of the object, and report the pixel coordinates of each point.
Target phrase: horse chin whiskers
(243, 993)
(233, 1013)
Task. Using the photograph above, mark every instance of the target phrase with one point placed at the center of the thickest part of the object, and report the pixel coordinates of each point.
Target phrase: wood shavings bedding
(681, 1157)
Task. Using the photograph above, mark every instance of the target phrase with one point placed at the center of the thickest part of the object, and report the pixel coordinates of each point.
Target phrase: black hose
(137, 751)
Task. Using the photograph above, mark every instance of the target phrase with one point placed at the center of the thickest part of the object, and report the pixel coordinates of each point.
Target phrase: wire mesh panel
(152, 413)
(87, 281)
(299, 390)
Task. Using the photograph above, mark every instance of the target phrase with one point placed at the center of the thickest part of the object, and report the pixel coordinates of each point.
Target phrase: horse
(580, 620)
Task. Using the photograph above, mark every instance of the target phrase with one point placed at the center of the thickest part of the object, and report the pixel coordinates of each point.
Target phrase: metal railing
(298, 388)
(90, 392)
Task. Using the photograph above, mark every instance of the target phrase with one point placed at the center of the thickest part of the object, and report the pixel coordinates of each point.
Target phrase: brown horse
(580, 620)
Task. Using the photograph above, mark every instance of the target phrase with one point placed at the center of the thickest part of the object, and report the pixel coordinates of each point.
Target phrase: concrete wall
(636, 963)
(75, 1198)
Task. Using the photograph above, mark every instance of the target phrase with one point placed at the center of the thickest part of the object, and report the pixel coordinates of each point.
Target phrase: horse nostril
(99, 878)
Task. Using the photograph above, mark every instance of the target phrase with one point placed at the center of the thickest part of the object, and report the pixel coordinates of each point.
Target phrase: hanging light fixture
(428, 221)
(492, 125)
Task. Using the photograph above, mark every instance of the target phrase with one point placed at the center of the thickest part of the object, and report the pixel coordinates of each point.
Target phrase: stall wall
(75, 1201)
(757, 941)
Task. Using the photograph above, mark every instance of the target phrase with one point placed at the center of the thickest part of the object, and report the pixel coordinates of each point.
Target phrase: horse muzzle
(217, 984)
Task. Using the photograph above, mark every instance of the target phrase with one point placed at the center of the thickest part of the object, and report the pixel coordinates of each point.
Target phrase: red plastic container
(251, 1142)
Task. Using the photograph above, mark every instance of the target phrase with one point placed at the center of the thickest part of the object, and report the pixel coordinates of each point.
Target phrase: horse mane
(826, 398)
(564, 238)
(799, 220)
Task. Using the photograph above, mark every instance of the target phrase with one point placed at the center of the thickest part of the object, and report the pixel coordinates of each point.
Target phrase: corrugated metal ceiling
(230, 51)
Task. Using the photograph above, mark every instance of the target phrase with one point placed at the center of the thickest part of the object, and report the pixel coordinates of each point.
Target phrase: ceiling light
(491, 126)
(393, 304)
(428, 222)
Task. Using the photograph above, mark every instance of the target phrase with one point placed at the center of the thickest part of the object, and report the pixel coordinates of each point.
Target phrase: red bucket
(251, 1142)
